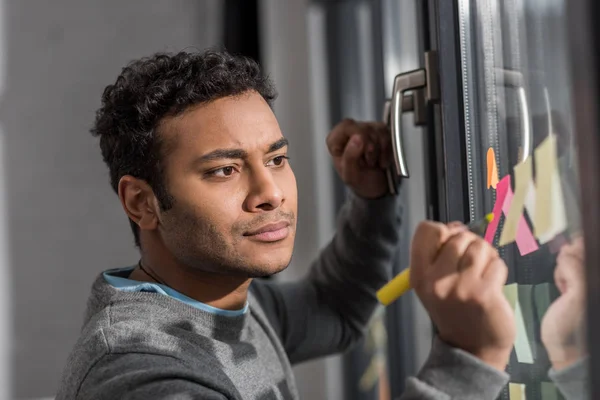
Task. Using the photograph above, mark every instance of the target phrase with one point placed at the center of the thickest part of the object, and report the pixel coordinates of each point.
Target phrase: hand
(361, 153)
(563, 325)
(459, 277)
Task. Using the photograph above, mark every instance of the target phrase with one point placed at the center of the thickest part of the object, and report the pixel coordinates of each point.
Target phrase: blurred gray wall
(65, 223)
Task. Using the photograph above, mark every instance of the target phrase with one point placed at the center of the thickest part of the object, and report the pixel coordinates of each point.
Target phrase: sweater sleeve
(133, 376)
(329, 309)
(451, 373)
(573, 382)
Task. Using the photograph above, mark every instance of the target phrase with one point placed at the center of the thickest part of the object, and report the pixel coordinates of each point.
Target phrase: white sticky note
(522, 345)
(559, 213)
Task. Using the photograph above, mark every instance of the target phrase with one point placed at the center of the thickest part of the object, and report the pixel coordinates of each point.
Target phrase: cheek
(221, 208)
(209, 205)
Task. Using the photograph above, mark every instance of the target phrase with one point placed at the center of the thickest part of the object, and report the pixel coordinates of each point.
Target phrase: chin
(262, 268)
(265, 272)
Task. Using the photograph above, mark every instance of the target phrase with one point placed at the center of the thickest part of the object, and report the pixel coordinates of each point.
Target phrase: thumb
(351, 158)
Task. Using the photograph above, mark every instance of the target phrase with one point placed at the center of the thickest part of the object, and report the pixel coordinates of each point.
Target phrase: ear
(139, 202)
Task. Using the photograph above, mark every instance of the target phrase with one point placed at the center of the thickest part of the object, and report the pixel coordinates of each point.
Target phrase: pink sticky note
(525, 241)
(501, 189)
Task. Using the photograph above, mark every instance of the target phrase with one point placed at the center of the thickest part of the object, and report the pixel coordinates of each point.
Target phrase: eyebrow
(220, 154)
(281, 143)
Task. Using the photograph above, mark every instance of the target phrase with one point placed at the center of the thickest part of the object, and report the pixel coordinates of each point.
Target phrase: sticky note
(511, 292)
(504, 196)
(522, 345)
(523, 177)
(516, 391)
(549, 391)
(530, 207)
(528, 311)
(515, 225)
(543, 295)
(550, 216)
(501, 189)
(492, 169)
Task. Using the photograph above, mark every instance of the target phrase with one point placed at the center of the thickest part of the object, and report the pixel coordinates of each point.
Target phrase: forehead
(244, 122)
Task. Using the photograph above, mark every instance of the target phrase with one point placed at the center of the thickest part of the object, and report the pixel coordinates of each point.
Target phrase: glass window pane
(522, 165)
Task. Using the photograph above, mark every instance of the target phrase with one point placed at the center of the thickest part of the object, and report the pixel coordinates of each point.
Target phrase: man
(200, 167)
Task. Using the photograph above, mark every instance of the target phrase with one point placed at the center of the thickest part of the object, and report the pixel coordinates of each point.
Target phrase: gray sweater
(140, 345)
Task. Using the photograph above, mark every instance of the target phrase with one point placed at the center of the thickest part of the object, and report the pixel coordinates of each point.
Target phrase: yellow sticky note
(549, 218)
(523, 178)
(530, 207)
(522, 345)
(516, 391)
(492, 169)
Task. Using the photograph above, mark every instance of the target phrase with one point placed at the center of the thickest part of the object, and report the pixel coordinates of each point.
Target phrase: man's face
(235, 197)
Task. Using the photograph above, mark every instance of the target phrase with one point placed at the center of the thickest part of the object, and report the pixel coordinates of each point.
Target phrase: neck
(217, 290)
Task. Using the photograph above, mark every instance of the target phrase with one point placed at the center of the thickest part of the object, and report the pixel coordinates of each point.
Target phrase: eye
(223, 172)
(278, 161)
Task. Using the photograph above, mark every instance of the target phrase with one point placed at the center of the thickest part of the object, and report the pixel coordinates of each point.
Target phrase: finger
(569, 273)
(386, 153)
(383, 137)
(370, 133)
(574, 249)
(495, 274)
(426, 242)
(340, 135)
(455, 224)
(371, 151)
(448, 259)
(429, 237)
(476, 258)
(351, 159)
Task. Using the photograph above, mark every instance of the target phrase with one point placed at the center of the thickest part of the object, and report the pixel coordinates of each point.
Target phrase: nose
(264, 193)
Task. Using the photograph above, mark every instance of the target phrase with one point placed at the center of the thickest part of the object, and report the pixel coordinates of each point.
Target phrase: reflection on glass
(521, 159)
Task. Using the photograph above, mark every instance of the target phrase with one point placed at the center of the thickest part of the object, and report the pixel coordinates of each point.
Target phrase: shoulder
(126, 338)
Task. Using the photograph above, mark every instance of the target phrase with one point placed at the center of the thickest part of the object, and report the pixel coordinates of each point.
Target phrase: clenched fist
(563, 325)
(459, 277)
(361, 154)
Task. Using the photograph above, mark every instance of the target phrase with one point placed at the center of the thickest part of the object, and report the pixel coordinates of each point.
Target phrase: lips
(270, 233)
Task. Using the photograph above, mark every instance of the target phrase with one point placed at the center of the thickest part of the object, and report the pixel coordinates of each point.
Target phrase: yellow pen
(401, 283)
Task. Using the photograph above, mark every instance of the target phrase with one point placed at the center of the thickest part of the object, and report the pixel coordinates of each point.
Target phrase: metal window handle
(404, 82)
(390, 175)
(424, 87)
(408, 104)
(514, 80)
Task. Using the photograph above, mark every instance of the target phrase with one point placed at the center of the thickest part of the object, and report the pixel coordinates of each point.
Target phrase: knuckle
(475, 251)
(463, 293)
(469, 258)
(438, 290)
(429, 230)
(454, 244)
(480, 299)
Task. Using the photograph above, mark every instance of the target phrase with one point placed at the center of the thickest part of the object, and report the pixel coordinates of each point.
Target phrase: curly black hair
(163, 85)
